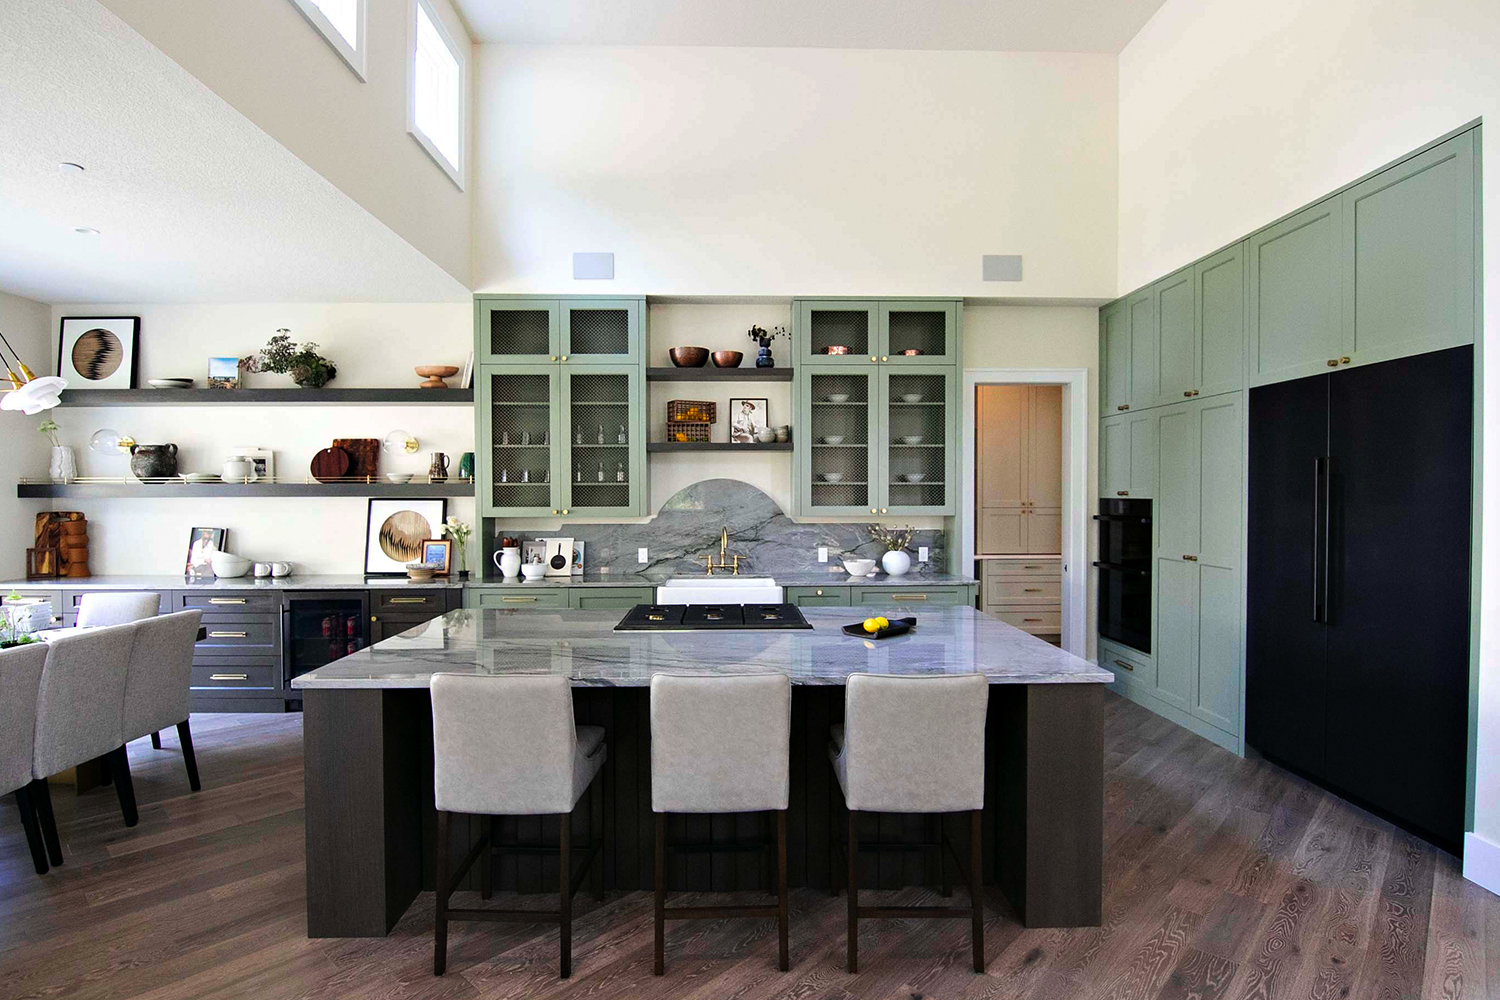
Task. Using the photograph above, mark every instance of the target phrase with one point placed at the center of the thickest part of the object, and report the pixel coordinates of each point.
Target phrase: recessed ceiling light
(86, 230)
(68, 167)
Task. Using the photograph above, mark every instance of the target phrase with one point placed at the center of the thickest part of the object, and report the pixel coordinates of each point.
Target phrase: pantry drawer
(1123, 661)
(229, 600)
(241, 635)
(515, 598)
(1038, 590)
(1038, 621)
(1013, 569)
(257, 674)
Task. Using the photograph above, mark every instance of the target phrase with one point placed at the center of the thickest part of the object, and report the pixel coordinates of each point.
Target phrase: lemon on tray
(872, 625)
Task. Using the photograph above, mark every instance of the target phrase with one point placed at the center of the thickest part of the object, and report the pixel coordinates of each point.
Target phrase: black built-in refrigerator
(1357, 654)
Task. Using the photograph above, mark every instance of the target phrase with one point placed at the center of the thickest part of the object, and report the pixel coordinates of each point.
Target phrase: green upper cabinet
(919, 453)
(1409, 238)
(819, 325)
(1177, 340)
(1143, 349)
(1219, 295)
(1295, 313)
(1114, 359)
(516, 331)
(601, 330)
(603, 419)
(1127, 455)
(836, 449)
(530, 330)
(918, 332)
(520, 462)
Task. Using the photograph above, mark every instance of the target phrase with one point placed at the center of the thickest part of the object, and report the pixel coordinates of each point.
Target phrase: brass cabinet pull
(554, 512)
(1124, 666)
(908, 597)
(1191, 558)
(884, 358)
(1333, 362)
(882, 510)
(1123, 406)
(553, 358)
(408, 600)
(1187, 392)
(565, 510)
(374, 619)
(1031, 567)
(1343, 361)
(1122, 493)
(872, 357)
(1031, 619)
(519, 600)
(226, 600)
(874, 511)
(565, 357)
(229, 677)
(1032, 590)
(228, 635)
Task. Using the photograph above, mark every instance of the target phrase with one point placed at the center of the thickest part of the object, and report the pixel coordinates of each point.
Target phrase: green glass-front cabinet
(533, 330)
(518, 470)
(919, 440)
(875, 331)
(603, 420)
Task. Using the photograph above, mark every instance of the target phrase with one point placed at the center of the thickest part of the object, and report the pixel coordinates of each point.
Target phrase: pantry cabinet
(1019, 468)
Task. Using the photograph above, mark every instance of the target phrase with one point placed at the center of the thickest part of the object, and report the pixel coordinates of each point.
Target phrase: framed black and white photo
(747, 418)
(98, 352)
(397, 532)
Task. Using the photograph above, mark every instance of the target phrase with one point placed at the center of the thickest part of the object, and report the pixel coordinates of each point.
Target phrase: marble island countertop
(582, 646)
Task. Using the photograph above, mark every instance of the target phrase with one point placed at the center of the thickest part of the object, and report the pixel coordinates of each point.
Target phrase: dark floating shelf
(265, 397)
(142, 491)
(708, 373)
(714, 446)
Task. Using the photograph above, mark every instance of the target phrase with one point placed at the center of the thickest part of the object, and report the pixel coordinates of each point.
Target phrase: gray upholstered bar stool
(720, 745)
(507, 746)
(913, 745)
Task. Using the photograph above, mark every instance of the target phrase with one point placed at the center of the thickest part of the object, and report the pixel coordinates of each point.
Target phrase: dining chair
(20, 681)
(117, 609)
(158, 679)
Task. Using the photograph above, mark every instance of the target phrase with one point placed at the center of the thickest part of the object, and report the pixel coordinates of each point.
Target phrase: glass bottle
(580, 473)
(601, 472)
(622, 434)
(578, 436)
(601, 433)
(504, 475)
(619, 472)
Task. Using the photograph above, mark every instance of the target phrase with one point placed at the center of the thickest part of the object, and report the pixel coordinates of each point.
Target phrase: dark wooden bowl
(728, 359)
(689, 357)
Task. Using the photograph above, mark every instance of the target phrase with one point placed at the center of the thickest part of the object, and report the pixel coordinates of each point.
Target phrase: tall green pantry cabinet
(560, 406)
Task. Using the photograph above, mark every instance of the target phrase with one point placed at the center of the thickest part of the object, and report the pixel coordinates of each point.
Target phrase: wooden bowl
(434, 374)
(689, 357)
(728, 359)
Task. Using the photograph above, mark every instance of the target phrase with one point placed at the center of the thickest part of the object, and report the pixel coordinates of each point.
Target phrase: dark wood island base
(372, 827)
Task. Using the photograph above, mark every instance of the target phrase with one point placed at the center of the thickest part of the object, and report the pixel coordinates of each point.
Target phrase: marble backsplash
(766, 540)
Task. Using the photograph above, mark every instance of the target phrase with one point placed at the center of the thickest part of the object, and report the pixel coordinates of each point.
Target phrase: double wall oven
(1124, 567)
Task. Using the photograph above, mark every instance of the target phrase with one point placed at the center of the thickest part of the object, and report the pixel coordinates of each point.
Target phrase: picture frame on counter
(396, 532)
(98, 352)
(438, 553)
(202, 541)
(466, 381)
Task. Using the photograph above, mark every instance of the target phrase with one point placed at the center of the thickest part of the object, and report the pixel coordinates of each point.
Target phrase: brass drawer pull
(908, 597)
(409, 600)
(1031, 619)
(1191, 558)
(229, 635)
(1124, 666)
(1031, 567)
(1032, 590)
(519, 600)
(229, 677)
(1122, 493)
(1343, 361)
(1333, 362)
(226, 600)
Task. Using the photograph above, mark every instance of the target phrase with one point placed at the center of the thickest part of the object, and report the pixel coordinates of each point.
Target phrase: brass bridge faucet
(723, 556)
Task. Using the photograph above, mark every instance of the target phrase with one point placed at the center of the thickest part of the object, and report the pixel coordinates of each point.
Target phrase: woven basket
(682, 431)
(692, 411)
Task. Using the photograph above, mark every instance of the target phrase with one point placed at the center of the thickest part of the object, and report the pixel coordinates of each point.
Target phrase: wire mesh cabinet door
(915, 332)
(516, 331)
(601, 330)
(518, 424)
(604, 440)
(837, 441)
(919, 440)
(847, 326)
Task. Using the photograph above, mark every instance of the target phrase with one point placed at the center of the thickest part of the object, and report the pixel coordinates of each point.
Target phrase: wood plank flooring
(1224, 878)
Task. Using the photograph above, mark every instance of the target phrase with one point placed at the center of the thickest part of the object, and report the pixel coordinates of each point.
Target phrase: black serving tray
(898, 626)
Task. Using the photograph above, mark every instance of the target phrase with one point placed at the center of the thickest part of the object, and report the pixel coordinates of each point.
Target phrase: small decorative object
(758, 334)
(525, 475)
(434, 374)
(397, 478)
(109, 443)
(263, 459)
(330, 465)
(153, 461)
(783, 434)
(419, 572)
(558, 556)
(533, 552)
(913, 352)
(508, 561)
(459, 531)
(98, 352)
(227, 565)
(170, 383)
(577, 557)
(689, 419)
(911, 439)
(880, 628)
(395, 531)
(466, 465)
(399, 442)
(280, 569)
(765, 436)
(533, 571)
(728, 359)
(911, 397)
(60, 545)
(223, 373)
(364, 457)
(64, 465)
(913, 477)
(466, 381)
(438, 553)
(238, 470)
(304, 364)
(832, 477)
(688, 357)
(748, 417)
(201, 542)
(619, 472)
(578, 436)
(42, 564)
(838, 397)
(895, 541)
(601, 473)
(601, 434)
(836, 350)
(438, 471)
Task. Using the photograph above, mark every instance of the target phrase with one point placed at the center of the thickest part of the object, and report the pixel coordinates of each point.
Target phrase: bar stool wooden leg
(976, 879)
(119, 770)
(440, 927)
(661, 893)
(189, 759)
(851, 873)
(782, 920)
(29, 823)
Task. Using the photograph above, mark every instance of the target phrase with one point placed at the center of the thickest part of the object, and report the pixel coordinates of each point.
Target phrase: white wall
(271, 65)
(26, 324)
(1233, 113)
(794, 171)
(373, 345)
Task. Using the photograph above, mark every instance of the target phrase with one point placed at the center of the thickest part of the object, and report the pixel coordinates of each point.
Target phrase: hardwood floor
(1225, 878)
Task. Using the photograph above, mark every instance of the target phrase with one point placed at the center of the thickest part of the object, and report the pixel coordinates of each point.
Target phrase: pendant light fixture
(28, 393)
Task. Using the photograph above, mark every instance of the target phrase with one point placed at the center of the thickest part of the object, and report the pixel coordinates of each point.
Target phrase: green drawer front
(517, 597)
(874, 597)
(609, 598)
(818, 597)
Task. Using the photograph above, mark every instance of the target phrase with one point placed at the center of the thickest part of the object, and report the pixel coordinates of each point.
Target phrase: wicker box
(692, 411)
(683, 431)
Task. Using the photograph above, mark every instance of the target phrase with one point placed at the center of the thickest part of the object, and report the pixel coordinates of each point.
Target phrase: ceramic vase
(64, 467)
(896, 563)
(510, 563)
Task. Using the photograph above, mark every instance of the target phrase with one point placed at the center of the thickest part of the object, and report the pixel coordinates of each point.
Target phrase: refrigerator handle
(1319, 553)
(1327, 529)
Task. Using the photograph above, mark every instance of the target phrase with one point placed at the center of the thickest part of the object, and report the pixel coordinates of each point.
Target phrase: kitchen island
(371, 824)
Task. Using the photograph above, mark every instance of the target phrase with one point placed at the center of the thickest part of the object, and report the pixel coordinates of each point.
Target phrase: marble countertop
(582, 646)
(806, 578)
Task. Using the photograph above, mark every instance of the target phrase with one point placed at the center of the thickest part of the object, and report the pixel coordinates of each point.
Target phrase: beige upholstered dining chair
(20, 681)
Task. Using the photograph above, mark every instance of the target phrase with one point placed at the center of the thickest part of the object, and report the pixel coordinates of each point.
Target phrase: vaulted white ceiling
(192, 201)
(957, 25)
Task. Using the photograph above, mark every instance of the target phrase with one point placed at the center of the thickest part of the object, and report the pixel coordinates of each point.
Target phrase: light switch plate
(822, 553)
(640, 555)
(921, 553)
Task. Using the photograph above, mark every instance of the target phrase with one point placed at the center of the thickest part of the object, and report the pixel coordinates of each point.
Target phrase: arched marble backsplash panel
(768, 542)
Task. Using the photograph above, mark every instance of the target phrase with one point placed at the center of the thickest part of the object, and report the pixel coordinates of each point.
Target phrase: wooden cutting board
(330, 464)
(364, 456)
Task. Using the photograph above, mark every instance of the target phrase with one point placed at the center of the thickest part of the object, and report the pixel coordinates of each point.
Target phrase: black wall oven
(1124, 567)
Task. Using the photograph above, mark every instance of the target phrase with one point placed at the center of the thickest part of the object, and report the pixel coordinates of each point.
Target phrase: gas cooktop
(696, 617)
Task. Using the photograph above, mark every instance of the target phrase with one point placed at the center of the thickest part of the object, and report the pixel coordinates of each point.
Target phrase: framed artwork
(396, 532)
(98, 352)
(558, 556)
(223, 373)
(202, 541)
(467, 380)
(747, 418)
(438, 552)
(263, 459)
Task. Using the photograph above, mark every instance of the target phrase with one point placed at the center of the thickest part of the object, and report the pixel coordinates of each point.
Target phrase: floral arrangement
(9, 634)
(458, 531)
(303, 363)
(49, 427)
(760, 336)
(893, 539)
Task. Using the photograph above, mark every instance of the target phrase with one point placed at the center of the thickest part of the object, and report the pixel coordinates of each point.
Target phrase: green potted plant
(303, 363)
(9, 636)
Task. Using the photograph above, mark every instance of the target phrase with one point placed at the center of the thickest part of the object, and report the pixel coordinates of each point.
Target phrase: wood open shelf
(142, 491)
(708, 373)
(714, 446)
(265, 397)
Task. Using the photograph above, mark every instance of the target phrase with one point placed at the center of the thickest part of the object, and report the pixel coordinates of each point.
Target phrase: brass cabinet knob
(554, 512)
(565, 357)
(1343, 361)
(1191, 558)
(554, 357)
(884, 358)
(820, 593)
(872, 357)
(374, 619)
(1333, 362)
(882, 510)
(565, 510)
(874, 511)
(1187, 392)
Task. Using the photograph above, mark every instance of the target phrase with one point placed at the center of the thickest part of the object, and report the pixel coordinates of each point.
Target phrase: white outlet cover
(822, 553)
(921, 553)
(640, 555)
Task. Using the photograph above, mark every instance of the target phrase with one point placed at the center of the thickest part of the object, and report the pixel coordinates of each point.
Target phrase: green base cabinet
(517, 597)
(609, 598)
(818, 597)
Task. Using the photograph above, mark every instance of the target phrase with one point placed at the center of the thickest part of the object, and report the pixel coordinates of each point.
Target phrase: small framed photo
(438, 553)
(747, 418)
(202, 541)
(534, 551)
(98, 352)
(263, 459)
(467, 379)
(223, 373)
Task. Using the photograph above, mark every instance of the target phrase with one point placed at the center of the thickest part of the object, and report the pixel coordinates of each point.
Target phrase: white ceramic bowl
(912, 439)
(834, 439)
(859, 567)
(533, 571)
(229, 565)
(913, 477)
(398, 477)
(911, 397)
(832, 477)
(839, 397)
(170, 383)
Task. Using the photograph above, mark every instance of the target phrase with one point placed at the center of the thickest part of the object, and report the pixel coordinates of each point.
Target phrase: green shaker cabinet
(1128, 354)
(519, 470)
(529, 330)
(1295, 314)
(919, 439)
(603, 423)
(1177, 337)
(1219, 297)
(1127, 455)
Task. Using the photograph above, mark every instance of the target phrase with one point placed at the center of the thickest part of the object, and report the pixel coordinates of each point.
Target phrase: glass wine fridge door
(321, 630)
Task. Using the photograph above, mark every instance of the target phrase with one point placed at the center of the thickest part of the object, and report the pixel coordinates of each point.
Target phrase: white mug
(238, 470)
(262, 569)
(281, 569)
